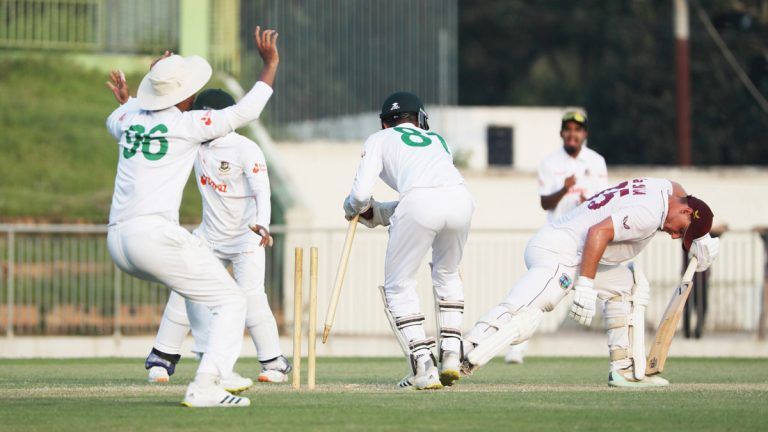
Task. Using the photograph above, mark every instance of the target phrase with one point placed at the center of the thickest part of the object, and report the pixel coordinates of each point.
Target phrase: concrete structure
(535, 131)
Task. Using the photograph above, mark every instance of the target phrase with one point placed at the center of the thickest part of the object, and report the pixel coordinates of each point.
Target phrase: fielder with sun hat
(158, 139)
(594, 240)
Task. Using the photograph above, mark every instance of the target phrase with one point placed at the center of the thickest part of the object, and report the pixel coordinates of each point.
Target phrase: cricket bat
(668, 325)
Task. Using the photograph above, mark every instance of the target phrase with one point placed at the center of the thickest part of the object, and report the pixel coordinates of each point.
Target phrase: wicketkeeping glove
(584, 301)
(705, 249)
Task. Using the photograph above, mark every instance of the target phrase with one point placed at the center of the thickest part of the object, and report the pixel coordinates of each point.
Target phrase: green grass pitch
(357, 394)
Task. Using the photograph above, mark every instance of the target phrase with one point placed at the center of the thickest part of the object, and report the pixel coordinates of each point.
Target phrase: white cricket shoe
(158, 374)
(450, 368)
(427, 377)
(275, 371)
(625, 378)
(235, 383)
(211, 397)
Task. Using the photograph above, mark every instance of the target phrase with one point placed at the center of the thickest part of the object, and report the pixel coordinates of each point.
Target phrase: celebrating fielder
(158, 138)
(434, 210)
(231, 174)
(594, 239)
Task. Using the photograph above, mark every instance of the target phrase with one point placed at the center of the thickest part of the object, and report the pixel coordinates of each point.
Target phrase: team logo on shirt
(565, 281)
(206, 118)
(224, 168)
(624, 222)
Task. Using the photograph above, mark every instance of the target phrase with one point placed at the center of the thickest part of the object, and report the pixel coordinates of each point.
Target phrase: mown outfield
(357, 394)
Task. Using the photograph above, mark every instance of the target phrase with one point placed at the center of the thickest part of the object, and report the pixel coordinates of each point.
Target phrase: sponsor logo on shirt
(207, 181)
(565, 281)
(257, 168)
(624, 222)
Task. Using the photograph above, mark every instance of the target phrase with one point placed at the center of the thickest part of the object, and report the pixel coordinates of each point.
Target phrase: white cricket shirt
(405, 157)
(589, 169)
(231, 174)
(637, 208)
(157, 150)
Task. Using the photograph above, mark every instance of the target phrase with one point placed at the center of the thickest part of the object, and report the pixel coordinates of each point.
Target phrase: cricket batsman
(593, 240)
(434, 210)
(567, 177)
(158, 139)
(231, 175)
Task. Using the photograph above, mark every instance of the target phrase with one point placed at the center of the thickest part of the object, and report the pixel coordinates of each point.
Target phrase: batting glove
(705, 249)
(350, 212)
(584, 301)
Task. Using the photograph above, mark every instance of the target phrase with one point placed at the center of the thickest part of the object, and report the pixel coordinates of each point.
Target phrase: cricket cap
(576, 117)
(701, 221)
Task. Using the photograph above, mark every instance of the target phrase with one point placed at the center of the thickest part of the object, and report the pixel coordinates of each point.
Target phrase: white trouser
(157, 250)
(248, 267)
(427, 217)
(552, 262)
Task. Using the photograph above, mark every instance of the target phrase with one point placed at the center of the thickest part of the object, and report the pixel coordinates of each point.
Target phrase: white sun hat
(172, 80)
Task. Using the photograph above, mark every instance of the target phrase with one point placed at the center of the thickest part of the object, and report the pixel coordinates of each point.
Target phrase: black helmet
(213, 99)
(403, 103)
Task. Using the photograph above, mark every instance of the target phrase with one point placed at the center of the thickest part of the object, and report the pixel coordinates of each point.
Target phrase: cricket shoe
(625, 378)
(427, 376)
(235, 383)
(212, 396)
(158, 374)
(275, 370)
(450, 367)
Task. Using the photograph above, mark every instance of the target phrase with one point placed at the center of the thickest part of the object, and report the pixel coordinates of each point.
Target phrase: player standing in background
(593, 240)
(158, 139)
(231, 174)
(434, 210)
(567, 177)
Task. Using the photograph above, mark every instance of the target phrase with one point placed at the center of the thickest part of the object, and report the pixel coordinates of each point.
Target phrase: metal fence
(134, 26)
(345, 56)
(59, 279)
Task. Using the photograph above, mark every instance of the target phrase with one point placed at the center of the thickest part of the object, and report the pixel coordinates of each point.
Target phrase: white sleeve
(255, 171)
(634, 223)
(368, 171)
(547, 184)
(204, 126)
(115, 120)
(601, 175)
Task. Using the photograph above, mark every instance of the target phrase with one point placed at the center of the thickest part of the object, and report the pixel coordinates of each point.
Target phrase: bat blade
(668, 325)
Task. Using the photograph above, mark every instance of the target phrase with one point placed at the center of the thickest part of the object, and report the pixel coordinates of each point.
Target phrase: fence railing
(60, 280)
(116, 26)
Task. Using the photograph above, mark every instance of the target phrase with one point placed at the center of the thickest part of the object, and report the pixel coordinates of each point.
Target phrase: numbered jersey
(405, 157)
(157, 149)
(231, 174)
(637, 209)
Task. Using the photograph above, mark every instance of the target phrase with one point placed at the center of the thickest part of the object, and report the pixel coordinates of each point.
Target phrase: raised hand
(266, 43)
(118, 86)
